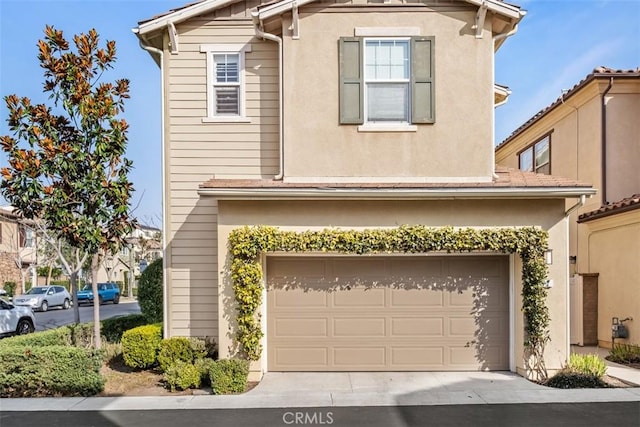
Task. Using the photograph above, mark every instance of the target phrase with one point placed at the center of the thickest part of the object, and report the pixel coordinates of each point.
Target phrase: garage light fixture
(548, 256)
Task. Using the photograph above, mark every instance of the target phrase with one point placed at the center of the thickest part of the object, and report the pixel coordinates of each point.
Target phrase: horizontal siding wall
(197, 151)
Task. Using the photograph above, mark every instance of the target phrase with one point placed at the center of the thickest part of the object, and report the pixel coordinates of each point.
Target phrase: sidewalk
(341, 389)
(630, 376)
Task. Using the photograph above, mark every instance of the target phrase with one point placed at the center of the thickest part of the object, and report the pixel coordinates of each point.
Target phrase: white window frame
(213, 49)
(387, 124)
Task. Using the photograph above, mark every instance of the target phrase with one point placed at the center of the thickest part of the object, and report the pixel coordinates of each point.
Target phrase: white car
(43, 297)
(15, 320)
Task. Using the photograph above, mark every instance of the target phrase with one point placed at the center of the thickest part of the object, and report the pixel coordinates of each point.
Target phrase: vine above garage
(530, 243)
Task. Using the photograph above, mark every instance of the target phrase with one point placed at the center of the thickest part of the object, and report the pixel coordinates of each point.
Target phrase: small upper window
(225, 82)
(537, 158)
(387, 75)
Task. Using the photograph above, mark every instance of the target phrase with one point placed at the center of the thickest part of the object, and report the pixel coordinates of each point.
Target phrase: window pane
(387, 59)
(526, 160)
(545, 169)
(542, 152)
(227, 101)
(388, 102)
(226, 68)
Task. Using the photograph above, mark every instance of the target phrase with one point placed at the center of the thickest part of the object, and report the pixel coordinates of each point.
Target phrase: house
(18, 255)
(348, 116)
(592, 134)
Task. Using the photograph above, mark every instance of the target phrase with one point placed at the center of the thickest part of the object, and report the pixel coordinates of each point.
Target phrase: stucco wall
(614, 252)
(315, 215)
(317, 147)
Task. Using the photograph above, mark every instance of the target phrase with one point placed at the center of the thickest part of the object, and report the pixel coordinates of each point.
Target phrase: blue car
(106, 292)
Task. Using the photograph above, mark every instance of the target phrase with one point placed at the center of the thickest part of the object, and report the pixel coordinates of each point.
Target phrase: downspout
(165, 311)
(579, 204)
(257, 24)
(496, 38)
(603, 126)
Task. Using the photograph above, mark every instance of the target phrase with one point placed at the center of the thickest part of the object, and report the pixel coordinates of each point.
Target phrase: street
(618, 414)
(57, 317)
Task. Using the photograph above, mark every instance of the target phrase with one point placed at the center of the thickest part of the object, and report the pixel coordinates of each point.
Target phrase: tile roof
(598, 72)
(506, 178)
(624, 205)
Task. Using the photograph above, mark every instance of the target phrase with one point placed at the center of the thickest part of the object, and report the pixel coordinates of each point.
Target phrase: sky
(558, 43)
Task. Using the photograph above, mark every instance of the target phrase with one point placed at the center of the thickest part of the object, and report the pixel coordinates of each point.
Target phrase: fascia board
(395, 194)
(511, 12)
(182, 15)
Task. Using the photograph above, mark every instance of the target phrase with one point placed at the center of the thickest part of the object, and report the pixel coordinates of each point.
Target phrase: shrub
(204, 365)
(10, 288)
(140, 346)
(49, 371)
(625, 354)
(229, 376)
(113, 328)
(571, 379)
(588, 364)
(182, 375)
(111, 351)
(79, 335)
(150, 292)
(176, 349)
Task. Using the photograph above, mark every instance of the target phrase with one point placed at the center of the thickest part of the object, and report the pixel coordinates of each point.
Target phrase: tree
(66, 165)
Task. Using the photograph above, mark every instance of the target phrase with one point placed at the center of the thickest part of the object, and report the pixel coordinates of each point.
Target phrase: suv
(43, 297)
(15, 320)
(106, 292)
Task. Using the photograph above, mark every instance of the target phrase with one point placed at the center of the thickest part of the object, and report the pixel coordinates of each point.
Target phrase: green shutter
(351, 82)
(422, 80)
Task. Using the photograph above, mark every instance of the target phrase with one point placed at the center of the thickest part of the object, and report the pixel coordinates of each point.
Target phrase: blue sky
(558, 43)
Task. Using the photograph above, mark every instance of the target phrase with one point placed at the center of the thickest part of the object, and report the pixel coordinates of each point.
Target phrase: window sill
(387, 128)
(226, 120)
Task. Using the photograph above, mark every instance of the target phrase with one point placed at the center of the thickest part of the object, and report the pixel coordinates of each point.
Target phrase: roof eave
(181, 15)
(241, 193)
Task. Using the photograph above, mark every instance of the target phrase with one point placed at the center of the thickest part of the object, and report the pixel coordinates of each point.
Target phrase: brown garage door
(371, 313)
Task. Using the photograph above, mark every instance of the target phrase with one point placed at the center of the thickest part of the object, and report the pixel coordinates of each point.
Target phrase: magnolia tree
(67, 168)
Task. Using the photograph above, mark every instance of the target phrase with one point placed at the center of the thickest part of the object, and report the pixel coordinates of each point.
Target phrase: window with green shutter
(386, 80)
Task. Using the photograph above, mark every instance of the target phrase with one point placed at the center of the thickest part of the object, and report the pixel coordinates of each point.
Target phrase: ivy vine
(530, 243)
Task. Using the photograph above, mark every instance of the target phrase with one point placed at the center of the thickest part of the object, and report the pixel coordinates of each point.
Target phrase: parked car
(15, 320)
(106, 292)
(43, 297)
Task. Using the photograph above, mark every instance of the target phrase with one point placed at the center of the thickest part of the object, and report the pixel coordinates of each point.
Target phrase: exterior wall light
(548, 256)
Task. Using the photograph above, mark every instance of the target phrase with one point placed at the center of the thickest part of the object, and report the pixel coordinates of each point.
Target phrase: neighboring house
(17, 249)
(349, 115)
(592, 134)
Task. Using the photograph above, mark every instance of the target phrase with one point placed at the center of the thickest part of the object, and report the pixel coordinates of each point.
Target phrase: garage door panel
(359, 297)
(301, 327)
(371, 322)
(416, 297)
(359, 357)
(359, 327)
(417, 327)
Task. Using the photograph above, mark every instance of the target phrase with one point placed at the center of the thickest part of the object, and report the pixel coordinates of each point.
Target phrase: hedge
(150, 297)
(140, 346)
(79, 335)
(54, 370)
(112, 329)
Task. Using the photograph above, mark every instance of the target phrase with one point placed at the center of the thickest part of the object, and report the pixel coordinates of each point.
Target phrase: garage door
(368, 313)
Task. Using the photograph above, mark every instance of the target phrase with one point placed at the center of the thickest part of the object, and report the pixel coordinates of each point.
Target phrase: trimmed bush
(140, 346)
(204, 365)
(10, 288)
(112, 329)
(182, 376)
(172, 350)
(588, 364)
(150, 296)
(49, 371)
(229, 376)
(570, 379)
(79, 335)
(624, 354)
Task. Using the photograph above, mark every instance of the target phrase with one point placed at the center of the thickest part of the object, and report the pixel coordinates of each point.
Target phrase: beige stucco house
(357, 115)
(18, 255)
(592, 134)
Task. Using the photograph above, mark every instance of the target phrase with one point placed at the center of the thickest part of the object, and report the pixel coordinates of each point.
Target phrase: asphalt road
(615, 414)
(57, 317)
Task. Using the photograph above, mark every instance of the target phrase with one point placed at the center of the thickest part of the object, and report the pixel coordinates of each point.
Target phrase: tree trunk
(132, 275)
(95, 264)
(74, 296)
(49, 274)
